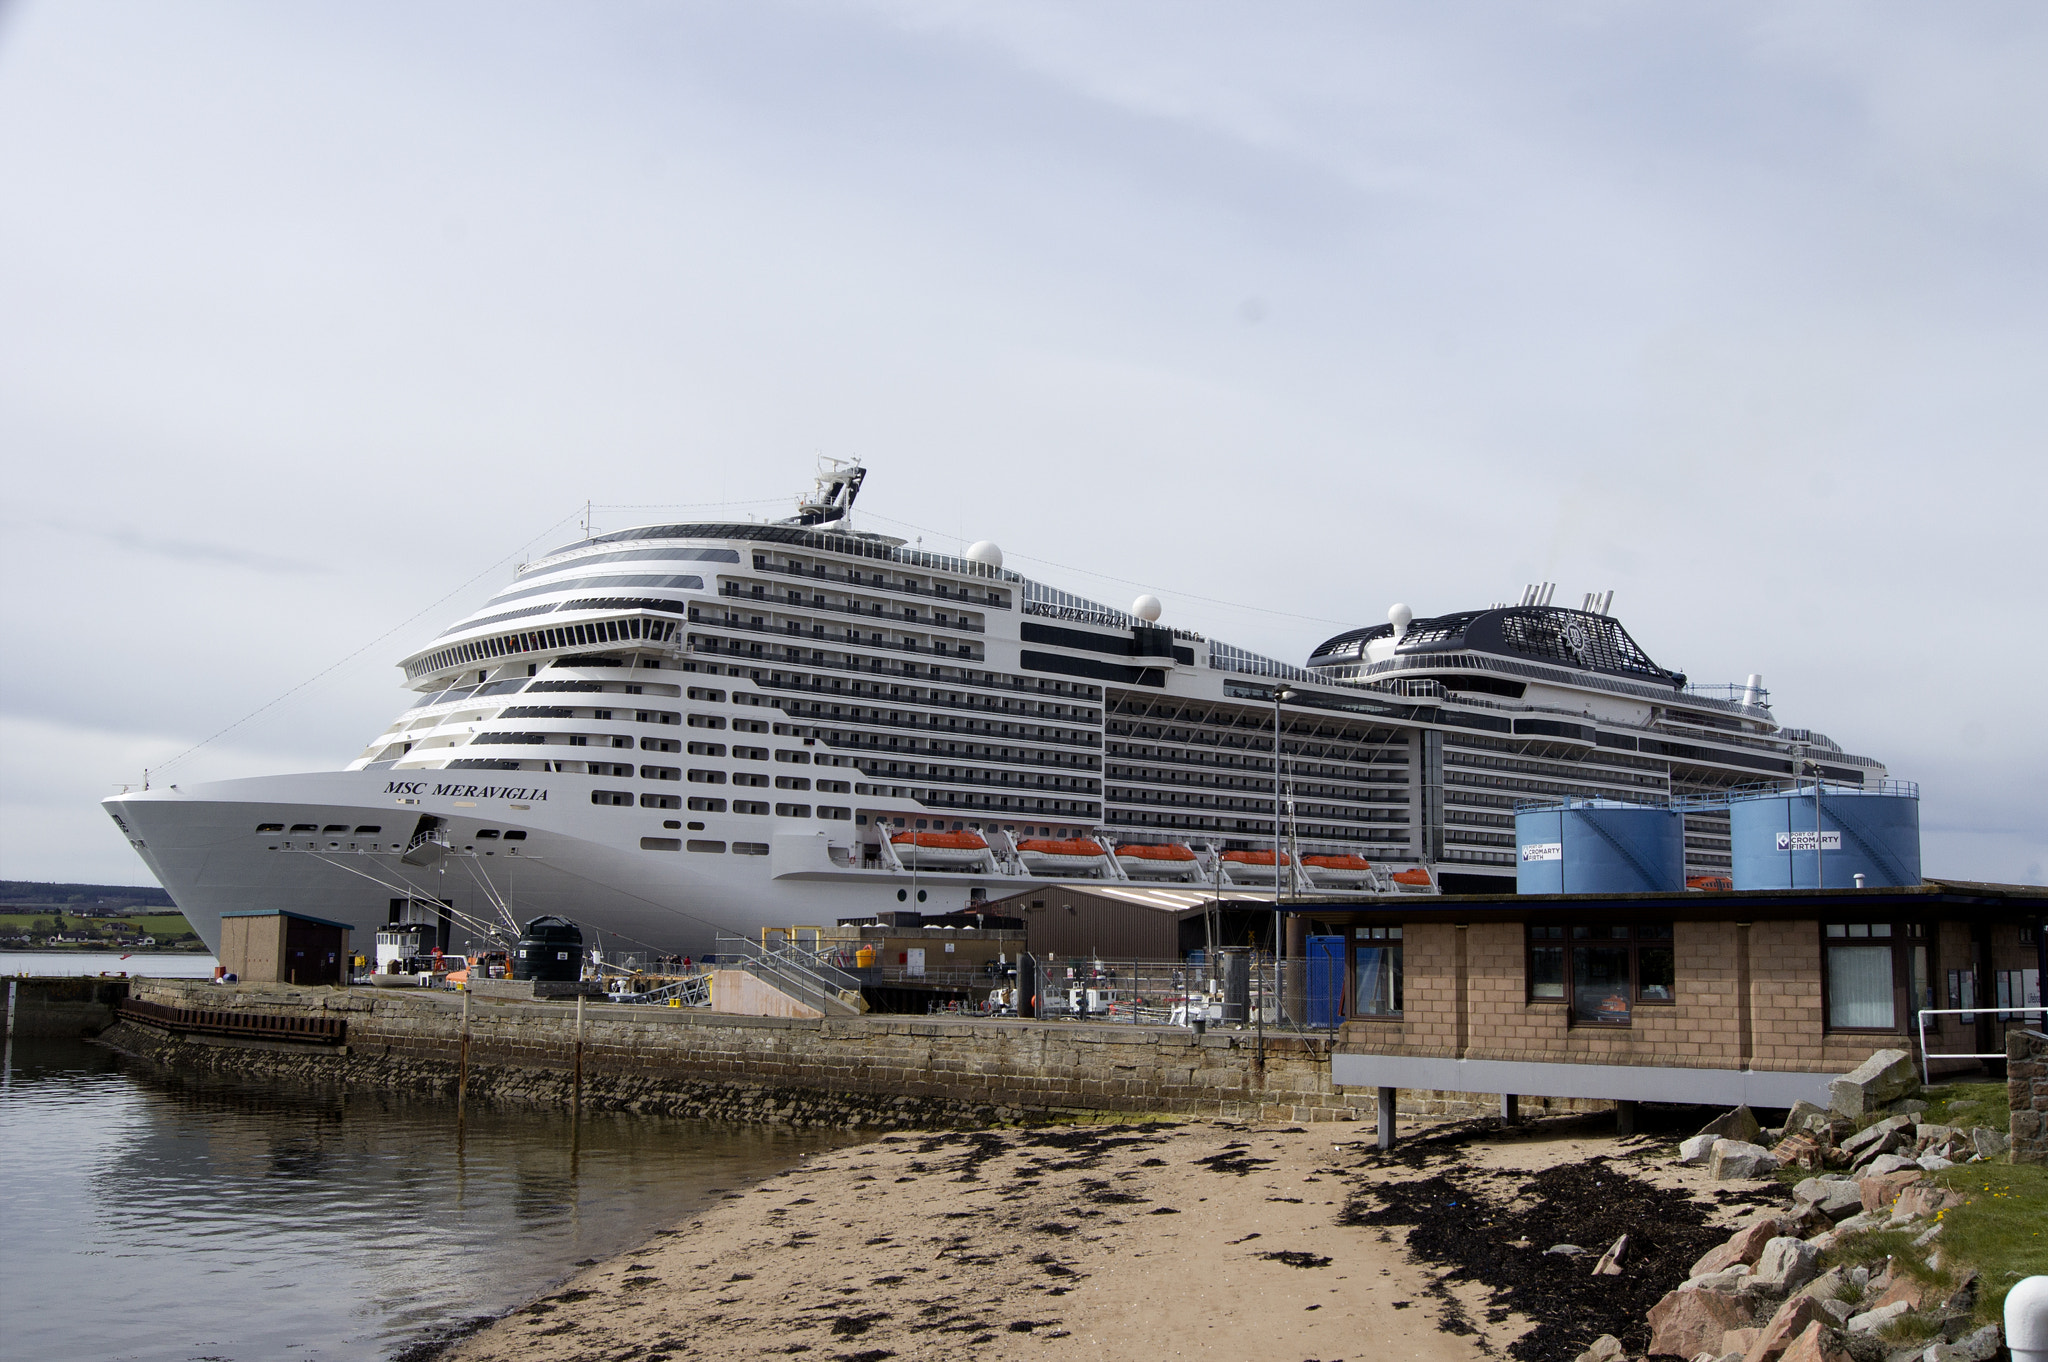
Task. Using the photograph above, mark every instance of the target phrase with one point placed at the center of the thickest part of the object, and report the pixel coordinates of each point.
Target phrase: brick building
(1755, 997)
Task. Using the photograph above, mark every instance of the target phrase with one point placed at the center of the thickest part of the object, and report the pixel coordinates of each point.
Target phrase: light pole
(1820, 879)
(1280, 693)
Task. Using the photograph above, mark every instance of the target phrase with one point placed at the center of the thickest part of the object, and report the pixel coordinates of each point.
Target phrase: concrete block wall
(2026, 1092)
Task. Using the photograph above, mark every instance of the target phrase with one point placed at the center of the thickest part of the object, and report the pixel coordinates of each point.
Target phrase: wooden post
(1510, 1109)
(1624, 1118)
(1386, 1123)
(576, 1099)
(462, 1082)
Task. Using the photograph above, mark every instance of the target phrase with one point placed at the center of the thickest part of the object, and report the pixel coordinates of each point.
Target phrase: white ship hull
(578, 860)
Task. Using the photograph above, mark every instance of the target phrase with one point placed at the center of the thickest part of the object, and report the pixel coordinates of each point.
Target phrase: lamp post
(1820, 879)
(1280, 693)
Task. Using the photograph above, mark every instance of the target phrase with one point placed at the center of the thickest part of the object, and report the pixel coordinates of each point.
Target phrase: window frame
(1388, 937)
(1566, 943)
(1899, 941)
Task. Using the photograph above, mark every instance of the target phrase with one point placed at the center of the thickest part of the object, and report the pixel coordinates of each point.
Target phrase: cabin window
(1376, 965)
(1859, 976)
(1602, 973)
(699, 805)
(615, 798)
(750, 848)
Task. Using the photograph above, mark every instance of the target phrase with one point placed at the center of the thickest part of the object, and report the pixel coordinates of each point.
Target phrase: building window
(1859, 976)
(1602, 973)
(1376, 965)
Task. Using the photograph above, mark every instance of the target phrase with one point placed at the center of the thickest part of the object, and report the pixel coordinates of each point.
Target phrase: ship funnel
(1753, 689)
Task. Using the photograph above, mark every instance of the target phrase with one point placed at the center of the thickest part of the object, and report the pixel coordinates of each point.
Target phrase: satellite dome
(986, 553)
(1147, 608)
(1400, 617)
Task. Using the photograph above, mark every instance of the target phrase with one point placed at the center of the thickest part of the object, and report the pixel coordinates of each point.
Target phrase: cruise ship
(683, 731)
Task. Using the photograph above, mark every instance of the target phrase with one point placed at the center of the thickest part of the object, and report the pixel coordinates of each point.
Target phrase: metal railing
(1999, 1016)
(803, 974)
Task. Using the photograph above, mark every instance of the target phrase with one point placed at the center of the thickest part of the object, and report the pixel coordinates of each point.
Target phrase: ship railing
(692, 990)
(915, 558)
(731, 591)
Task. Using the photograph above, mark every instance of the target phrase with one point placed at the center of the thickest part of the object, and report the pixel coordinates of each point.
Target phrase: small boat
(1054, 856)
(1251, 867)
(1338, 872)
(1417, 878)
(941, 850)
(1709, 882)
(1164, 861)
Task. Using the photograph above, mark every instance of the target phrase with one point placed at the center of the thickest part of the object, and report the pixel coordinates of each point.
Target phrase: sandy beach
(1192, 1239)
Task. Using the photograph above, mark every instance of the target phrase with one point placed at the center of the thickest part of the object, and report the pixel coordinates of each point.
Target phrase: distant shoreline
(105, 950)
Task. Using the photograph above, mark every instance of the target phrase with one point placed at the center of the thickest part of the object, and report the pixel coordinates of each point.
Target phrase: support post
(462, 1080)
(1510, 1109)
(576, 1098)
(1624, 1118)
(1386, 1118)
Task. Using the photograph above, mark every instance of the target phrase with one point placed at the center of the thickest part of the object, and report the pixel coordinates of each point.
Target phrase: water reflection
(239, 1222)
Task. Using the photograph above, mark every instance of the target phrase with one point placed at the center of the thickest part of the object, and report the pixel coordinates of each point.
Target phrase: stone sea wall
(865, 1071)
(2026, 1093)
(58, 1006)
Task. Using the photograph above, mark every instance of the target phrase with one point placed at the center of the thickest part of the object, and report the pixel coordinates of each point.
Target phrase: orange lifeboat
(941, 850)
(1057, 856)
(1413, 877)
(1337, 872)
(1167, 861)
(1709, 882)
(1255, 867)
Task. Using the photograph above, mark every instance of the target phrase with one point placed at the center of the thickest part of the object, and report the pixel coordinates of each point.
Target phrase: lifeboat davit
(1251, 867)
(1169, 861)
(941, 850)
(1337, 872)
(1054, 856)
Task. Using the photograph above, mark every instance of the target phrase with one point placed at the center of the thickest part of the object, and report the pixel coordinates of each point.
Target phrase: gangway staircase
(800, 974)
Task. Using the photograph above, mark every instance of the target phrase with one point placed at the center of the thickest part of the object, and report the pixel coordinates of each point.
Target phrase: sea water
(156, 1218)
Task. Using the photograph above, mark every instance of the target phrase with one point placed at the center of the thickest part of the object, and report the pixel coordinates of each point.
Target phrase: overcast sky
(315, 318)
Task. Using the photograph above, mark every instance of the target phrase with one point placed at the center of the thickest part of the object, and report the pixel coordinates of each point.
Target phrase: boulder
(1980, 1346)
(1872, 1134)
(1739, 1159)
(1737, 1342)
(1933, 1163)
(1785, 1265)
(1802, 1111)
(1888, 1163)
(1739, 1124)
(1688, 1322)
(1733, 1278)
(1911, 1290)
(1817, 1344)
(1870, 1321)
(1924, 1198)
(1694, 1151)
(1793, 1318)
(1930, 1136)
(1606, 1348)
(1880, 1190)
(1883, 1078)
(1743, 1247)
(1844, 1199)
(1990, 1143)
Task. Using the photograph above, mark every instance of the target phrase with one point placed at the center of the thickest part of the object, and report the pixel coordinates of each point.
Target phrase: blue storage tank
(1874, 833)
(1598, 846)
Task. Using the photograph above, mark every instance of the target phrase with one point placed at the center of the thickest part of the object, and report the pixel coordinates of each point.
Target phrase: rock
(1606, 1348)
(1990, 1143)
(1827, 1286)
(1872, 1134)
(1792, 1319)
(1738, 1342)
(1726, 1279)
(1928, 1235)
(1816, 1344)
(1565, 1250)
(1743, 1247)
(1910, 1106)
(1924, 1198)
(1862, 1220)
(1785, 1265)
(1844, 1199)
(1902, 1288)
(1870, 1321)
(1696, 1150)
(1739, 1124)
(1610, 1261)
(1980, 1346)
(1888, 1163)
(1884, 1077)
(1689, 1322)
(1802, 1111)
(1880, 1190)
(1933, 1163)
(1740, 1159)
(1928, 1136)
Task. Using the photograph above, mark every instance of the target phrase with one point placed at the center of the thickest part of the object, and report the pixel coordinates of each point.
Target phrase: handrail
(1927, 1012)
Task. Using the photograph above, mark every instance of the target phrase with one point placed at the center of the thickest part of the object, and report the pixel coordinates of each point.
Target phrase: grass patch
(1967, 1105)
(2001, 1230)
